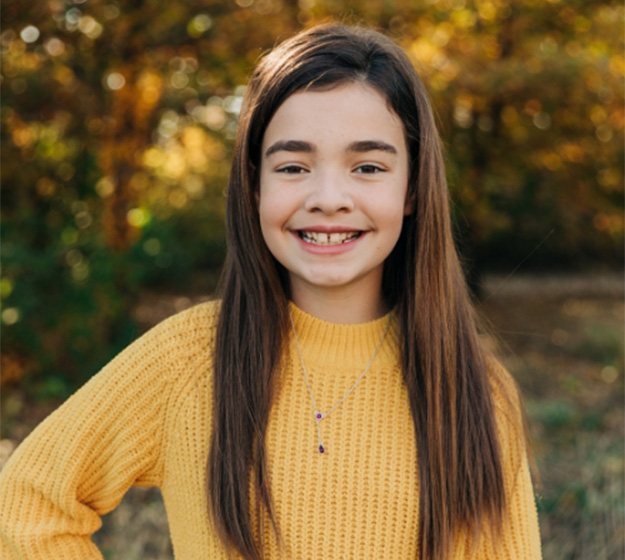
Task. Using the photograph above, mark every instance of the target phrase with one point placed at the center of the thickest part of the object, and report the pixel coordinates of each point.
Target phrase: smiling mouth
(322, 238)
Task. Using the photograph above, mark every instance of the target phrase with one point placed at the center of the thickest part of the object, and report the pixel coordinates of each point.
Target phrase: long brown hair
(460, 474)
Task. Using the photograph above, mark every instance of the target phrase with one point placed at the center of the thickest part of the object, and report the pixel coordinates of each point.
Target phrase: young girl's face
(333, 188)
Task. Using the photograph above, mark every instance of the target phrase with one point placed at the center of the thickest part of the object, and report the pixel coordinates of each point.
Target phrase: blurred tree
(119, 118)
(532, 95)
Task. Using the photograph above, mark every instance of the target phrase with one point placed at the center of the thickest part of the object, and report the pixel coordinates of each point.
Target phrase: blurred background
(118, 119)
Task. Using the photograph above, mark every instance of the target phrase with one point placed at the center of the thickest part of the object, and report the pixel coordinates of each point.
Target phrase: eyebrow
(302, 146)
(371, 145)
(290, 146)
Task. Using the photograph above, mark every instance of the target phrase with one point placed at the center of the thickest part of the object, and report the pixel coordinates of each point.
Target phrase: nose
(329, 194)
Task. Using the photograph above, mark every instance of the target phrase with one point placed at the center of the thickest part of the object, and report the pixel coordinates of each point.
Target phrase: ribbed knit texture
(145, 419)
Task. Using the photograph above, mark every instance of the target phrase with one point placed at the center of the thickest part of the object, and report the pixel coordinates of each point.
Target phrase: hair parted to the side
(460, 473)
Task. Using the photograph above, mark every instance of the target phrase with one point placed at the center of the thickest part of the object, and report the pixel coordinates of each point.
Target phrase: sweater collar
(350, 344)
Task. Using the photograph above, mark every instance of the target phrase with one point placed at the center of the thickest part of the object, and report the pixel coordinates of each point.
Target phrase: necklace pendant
(317, 414)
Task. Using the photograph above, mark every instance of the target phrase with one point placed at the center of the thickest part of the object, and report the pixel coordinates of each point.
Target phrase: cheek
(393, 222)
(264, 204)
(392, 215)
(277, 205)
(270, 212)
(273, 215)
(267, 199)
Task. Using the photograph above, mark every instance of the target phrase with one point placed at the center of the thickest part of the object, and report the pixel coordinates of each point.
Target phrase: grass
(567, 354)
(565, 348)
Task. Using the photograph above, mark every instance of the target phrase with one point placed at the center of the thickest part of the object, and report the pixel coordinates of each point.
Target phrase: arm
(519, 536)
(77, 465)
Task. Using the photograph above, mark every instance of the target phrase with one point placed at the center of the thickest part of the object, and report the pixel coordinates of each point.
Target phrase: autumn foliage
(118, 119)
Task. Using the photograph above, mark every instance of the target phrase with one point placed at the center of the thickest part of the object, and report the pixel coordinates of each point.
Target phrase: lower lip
(329, 249)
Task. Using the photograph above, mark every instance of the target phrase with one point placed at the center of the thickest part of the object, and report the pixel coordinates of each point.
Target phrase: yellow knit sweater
(145, 419)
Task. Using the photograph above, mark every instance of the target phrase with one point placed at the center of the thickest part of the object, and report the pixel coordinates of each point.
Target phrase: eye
(291, 169)
(369, 169)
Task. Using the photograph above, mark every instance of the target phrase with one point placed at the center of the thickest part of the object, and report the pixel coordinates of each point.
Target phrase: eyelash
(297, 169)
(291, 169)
(372, 167)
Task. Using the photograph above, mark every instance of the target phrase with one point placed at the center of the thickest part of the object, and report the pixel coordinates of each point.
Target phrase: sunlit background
(118, 119)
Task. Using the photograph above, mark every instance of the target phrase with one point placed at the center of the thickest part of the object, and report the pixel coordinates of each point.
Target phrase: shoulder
(199, 317)
(188, 400)
(186, 340)
(161, 356)
(186, 331)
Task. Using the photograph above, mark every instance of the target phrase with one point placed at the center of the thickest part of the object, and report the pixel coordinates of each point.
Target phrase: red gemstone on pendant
(322, 449)
(318, 416)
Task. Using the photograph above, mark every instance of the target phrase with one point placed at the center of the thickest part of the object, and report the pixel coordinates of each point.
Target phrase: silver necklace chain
(319, 415)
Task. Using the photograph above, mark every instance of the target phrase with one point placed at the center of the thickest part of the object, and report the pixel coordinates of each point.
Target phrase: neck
(338, 306)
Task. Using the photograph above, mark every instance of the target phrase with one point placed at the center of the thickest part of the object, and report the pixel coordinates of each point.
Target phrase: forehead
(348, 112)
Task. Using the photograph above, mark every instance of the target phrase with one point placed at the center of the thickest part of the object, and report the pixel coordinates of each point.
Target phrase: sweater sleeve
(78, 463)
(519, 535)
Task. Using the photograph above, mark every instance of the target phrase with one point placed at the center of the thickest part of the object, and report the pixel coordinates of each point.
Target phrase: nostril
(329, 203)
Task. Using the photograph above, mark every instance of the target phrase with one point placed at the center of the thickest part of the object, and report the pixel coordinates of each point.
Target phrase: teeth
(318, 238)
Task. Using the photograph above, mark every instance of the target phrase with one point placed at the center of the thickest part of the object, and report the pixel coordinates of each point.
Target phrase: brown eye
(369, 169)
(291, 170)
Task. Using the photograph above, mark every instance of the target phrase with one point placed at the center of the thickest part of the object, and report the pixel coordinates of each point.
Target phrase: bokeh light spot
(90, 27)
(179, 80)
(73, 257)
(199, 25)
(80, 272)
(72, 17)
(152, 246)
(604, 133)
(105, 187)
(29, 34)
(138, 217)
(83, 219)
(69, 236)
(233, 104)
(110, 11)
(46, 187)
(6, 287)
(11, 315)
(114, 81)
(609, 374)
(542, 120)
(54, 46)
(178, 199)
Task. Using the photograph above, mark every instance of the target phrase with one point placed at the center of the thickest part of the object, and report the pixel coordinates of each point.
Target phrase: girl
(335, 402)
